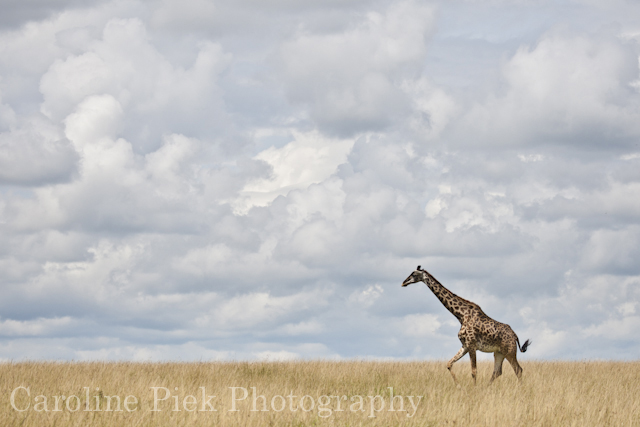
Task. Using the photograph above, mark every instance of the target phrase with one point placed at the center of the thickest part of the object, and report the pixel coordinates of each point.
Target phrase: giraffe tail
(524, 346)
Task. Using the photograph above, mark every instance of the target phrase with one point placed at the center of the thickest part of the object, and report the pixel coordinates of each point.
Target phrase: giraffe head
(416, 276)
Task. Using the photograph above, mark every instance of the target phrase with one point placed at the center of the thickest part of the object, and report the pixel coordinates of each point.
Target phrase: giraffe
(478, 332)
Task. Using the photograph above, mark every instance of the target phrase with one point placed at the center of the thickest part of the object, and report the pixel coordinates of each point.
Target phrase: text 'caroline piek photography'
(238, 399)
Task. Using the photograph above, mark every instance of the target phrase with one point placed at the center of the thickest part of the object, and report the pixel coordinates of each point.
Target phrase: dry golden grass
(551, 394)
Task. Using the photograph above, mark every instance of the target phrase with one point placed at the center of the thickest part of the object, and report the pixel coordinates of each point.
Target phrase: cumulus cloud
(352, 80)
(575, 89)
(253, 180)
(308, 159)
(36, 153)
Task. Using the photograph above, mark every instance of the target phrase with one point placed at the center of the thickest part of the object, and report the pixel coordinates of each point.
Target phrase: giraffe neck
(452, 302)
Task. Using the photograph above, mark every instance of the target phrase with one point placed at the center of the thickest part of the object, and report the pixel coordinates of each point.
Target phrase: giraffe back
(490, 335)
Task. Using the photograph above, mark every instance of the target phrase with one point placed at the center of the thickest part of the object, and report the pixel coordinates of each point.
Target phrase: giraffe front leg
(472, 355)
(454, 359)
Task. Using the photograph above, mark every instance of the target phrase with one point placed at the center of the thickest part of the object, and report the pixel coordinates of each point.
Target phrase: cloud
(33, 327)
(420, 325)
(253, 180)
(308, 159)
(367, 296)
(184, 15)
(613, 251)
(36, 153)
(259, 310)
(16, 12)
(158, 96)
(573, 89)
(351, 81)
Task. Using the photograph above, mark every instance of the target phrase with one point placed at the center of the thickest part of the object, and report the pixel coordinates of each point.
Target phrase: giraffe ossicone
(478, 332)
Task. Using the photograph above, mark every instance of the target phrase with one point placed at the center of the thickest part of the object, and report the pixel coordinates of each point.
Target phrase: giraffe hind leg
(454, 359)
(515, 365)
(497, 367)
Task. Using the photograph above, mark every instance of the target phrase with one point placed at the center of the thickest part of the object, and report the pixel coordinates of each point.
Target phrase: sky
(254, 179)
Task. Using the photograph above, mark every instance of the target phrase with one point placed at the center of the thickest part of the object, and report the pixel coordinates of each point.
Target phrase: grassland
(122, 394)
